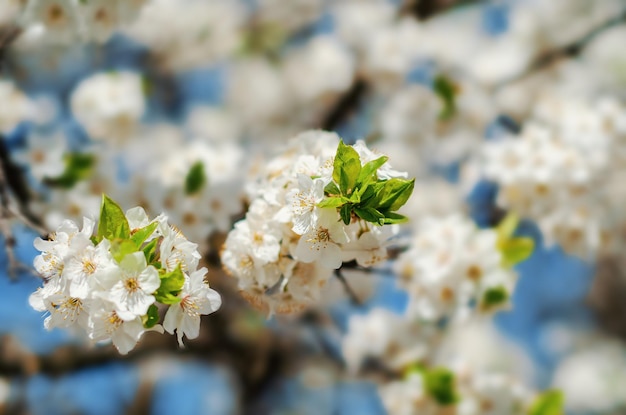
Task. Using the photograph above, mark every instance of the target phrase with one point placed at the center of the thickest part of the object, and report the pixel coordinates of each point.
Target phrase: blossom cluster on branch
(317, 205)
(107, 285)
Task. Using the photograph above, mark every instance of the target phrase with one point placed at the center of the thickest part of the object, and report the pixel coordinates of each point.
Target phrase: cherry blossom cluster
(319, 204)
(564, 171)
(453, 273)
(109, 285)
(436, 371)
(109, 106)
(65, 21)
(452, 267)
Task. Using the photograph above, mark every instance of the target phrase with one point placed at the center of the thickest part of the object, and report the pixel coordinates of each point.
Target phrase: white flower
(109, 105)
(16, 107)
(44, 155)
(381, 334)
(196, 299)
(87, 267)
(131, 289)
(302, 202)
(60, 19)
(450, 265)
(65, 311)
(407, 397)
(321, 242)
(102, 18)
(368, 246)
(322, 56)
(51, 261)
(123, 328)
(176, 250)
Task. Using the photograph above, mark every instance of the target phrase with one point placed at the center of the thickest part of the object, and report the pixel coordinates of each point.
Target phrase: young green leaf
(151, 318)
(150, 251)
(392, 218)
(550, 402)
(196, 178)
(113, 223)
(506, 228)
(77, 167)
(371, 196)
(346, 213)
(395, 193)
(332, 189)
(171, 283)
(140, 235)
(516, 250)
(440, 384)
(334, 202)
(166, 298)
(446, 90)
(369, 169)
(369, 214)
(494, 297)
(122, 247)
(346, 168)
(173, 280)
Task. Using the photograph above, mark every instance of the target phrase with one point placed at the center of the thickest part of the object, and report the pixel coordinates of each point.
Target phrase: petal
(137, 217)
(172, 318)
(149, 280)
(138, 302)
(330, 256)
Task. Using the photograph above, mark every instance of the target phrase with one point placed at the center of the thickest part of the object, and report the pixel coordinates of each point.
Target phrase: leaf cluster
(357, 191)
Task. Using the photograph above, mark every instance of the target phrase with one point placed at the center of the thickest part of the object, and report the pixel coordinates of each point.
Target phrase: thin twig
(7, 37)
(353, 297)
(570, 50)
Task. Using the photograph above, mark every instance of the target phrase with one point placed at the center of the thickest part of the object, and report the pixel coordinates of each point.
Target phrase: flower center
(131, 285)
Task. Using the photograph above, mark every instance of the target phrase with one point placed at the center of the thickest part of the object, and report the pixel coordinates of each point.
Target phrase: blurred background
(123, 97)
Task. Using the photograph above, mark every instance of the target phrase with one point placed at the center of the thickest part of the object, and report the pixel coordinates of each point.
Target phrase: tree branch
(570, 50)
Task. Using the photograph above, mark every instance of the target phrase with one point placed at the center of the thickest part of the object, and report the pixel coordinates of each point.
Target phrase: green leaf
(167, 298)
(149, 251)
(77, 167)
(334, 201)
(346, 168)
(550, 402)
(346, 213)
(440, 384)
(516, 250)
(369, 214)
(332, 189)
(395, 193)
(151, 318)
(446, 90)
(369, 169)
(371, 196)
(196, 178)
(140, 235)
(494, 297)
(122, 247)
(113, 223)
(173, 280)
(506, 228)
(392, 218)
(171, 283)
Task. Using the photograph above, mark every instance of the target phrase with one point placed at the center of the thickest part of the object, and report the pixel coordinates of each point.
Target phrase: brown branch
(353, 297)
(570, 50)
(346, 105)
(14, 194)
(7, 37)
